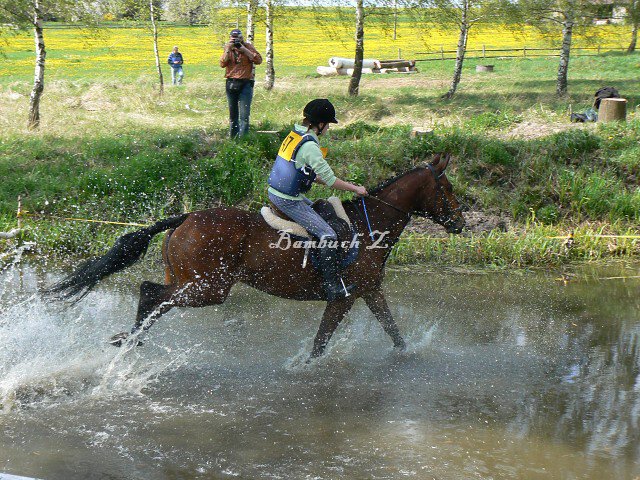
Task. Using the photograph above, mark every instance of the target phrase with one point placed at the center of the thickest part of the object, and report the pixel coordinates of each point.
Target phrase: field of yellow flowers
(301, 43)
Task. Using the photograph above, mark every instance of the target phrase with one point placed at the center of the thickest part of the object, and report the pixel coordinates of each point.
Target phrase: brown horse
(206, 252)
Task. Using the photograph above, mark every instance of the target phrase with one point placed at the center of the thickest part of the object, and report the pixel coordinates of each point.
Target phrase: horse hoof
(119, 338)
(400, 347)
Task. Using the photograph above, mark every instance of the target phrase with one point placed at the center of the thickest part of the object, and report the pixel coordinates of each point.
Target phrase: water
(518, 375)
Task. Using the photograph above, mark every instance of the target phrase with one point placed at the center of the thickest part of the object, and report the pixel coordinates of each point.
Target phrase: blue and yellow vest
(285, 177)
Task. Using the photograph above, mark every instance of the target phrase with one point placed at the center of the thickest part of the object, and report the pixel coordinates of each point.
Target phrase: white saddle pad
(293, 228)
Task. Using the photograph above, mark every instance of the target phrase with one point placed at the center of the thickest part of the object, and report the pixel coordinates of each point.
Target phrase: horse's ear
(440, 161)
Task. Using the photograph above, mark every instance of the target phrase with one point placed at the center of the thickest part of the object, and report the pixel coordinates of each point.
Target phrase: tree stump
(612, 109)
(484, 68)
(421, 132)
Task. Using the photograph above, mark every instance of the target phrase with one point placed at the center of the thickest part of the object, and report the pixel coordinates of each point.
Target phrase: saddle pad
(293, 228)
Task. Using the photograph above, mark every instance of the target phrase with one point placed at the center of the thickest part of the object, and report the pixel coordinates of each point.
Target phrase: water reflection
(506, 376)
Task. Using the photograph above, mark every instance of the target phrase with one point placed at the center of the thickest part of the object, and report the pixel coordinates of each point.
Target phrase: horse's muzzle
(455, 226)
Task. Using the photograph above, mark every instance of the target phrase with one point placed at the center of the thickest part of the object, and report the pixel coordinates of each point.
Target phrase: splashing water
(52, 351)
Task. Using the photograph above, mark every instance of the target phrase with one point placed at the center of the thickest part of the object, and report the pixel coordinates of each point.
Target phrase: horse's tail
(126, 251)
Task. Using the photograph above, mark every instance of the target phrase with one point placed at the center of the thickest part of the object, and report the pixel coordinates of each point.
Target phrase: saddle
(332, 211)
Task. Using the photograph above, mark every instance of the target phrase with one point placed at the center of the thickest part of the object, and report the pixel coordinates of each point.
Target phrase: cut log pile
(345, 66)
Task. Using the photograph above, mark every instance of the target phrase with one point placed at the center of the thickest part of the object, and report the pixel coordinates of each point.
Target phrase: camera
(237, 42)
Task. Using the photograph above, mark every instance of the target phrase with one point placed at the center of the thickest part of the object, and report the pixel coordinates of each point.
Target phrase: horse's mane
(386, 183)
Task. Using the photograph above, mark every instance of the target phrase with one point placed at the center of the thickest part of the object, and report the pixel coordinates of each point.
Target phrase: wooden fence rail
(526, 52)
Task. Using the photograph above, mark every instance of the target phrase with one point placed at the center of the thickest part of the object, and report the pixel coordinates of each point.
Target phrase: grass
(110, 148)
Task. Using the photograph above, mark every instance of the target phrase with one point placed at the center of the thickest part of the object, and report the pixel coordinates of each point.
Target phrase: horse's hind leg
(155, 300)
(378, 305)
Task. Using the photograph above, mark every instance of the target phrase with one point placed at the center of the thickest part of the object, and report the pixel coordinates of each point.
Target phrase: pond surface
(518, 375)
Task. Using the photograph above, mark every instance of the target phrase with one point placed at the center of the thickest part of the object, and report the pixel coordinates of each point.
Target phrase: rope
(560, 237)
(74, 219)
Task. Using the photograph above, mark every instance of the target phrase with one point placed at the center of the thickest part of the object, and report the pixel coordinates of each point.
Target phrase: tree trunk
(354, 83)
(155, 45)
(565, 51)
(38, 81)
(461, 50)
(271, 73)
(252, 6)
(634, 15)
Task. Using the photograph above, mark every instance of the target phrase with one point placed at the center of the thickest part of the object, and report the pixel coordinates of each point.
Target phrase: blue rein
(364, 207)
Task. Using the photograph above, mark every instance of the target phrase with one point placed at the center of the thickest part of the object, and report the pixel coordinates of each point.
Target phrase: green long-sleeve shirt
(309, 154)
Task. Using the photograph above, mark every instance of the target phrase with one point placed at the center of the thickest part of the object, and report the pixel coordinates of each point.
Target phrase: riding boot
(332, 283)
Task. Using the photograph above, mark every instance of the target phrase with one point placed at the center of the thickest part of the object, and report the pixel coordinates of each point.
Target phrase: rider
(299, 163)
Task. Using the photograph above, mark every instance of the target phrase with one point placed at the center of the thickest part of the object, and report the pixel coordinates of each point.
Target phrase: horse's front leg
(333, 315)
(378, 305)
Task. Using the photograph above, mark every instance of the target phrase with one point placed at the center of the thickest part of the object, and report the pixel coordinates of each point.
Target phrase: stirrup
(338, 291)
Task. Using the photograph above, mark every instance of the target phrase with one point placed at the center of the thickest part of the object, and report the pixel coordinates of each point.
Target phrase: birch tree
(354, 83)
(154, 29)
(24, 15)
(252, 9)
(190, 11)
(148, 12)
(462, 15)
(633, 18)
(564, 17)
(349, 14)
(270, 75)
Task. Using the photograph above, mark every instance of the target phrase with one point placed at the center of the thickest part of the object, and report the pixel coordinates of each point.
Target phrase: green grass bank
(116, 151)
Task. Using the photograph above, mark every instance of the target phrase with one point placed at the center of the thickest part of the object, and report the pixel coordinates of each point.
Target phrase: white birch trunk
(565, 52)
(634, 38)
(38, 80)
(155, 45)
(460, 51)
(270, 73)
(354, 83)
(252, 5)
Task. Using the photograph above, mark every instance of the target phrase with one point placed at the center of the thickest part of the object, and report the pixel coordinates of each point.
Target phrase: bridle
(431, 216)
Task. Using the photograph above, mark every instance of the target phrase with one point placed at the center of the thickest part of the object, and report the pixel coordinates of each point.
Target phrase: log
(612, 109)
(339, 62)
(421, 132)
(397, 63)
(331, 71)
(395, 70)
(327, 71)
(484, 68)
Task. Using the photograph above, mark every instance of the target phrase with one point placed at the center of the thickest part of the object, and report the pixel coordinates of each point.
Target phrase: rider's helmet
(320, 110)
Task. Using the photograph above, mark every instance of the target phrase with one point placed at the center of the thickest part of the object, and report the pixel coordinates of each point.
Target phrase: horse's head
(436, 199)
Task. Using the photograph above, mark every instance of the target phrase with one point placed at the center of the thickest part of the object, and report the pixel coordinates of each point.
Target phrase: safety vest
(285, 177)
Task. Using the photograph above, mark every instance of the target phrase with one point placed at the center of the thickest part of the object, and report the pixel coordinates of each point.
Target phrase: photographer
(239, 60)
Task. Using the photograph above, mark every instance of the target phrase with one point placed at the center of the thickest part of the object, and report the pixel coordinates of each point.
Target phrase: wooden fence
(524, 52)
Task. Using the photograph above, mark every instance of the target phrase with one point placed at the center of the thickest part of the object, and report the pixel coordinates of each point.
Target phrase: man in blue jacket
(176, 61)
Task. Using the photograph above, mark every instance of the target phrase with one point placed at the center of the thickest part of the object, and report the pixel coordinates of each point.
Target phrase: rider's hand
(360, 190)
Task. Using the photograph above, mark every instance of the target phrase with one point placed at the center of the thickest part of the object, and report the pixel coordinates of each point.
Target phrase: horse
(206, 252)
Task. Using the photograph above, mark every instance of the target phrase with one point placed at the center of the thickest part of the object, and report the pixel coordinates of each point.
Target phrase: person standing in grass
(176, 61)
(239, 60)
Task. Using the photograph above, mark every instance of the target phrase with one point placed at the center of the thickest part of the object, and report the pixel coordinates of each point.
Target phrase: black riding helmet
(320, 110)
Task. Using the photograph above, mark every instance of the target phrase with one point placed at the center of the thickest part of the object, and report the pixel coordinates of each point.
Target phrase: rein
(408, 214)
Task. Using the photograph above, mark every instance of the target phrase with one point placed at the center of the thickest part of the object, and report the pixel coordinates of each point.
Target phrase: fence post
(598, 49)
(483, 53)
(442, 52)
(19, 213)
(524, 51)
(399, 54)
